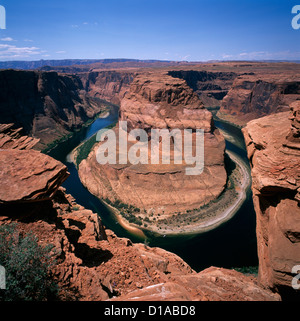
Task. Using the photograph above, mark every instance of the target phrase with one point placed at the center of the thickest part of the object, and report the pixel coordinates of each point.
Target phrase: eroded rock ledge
(28, 176)
(12, 138)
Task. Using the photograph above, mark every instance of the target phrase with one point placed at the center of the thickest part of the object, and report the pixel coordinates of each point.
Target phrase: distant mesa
(84, 64)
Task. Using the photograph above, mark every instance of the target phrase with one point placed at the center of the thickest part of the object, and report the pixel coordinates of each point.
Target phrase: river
(233, 244)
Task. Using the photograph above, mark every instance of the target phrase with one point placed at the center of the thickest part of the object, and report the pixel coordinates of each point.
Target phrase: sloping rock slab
(28, 175)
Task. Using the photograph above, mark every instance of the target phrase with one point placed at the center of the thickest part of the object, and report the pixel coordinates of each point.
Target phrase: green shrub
(248, 270)
(26, 266)
(85, 148)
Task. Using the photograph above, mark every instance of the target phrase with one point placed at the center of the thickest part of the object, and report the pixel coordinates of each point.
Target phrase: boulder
(28, 175)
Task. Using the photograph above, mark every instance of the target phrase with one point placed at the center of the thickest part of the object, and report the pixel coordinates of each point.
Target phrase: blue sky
(193, 30)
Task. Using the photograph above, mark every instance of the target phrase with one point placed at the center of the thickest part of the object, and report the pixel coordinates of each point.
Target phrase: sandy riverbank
(71, 157)
(131, 228)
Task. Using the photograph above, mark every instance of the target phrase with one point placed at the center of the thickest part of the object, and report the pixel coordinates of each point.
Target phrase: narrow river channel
(233, 244)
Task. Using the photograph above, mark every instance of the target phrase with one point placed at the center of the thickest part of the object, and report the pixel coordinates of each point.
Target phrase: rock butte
(156, 100)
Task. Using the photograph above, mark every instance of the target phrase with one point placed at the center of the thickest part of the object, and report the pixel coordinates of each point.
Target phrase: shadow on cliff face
(272, 196)
(92, 257)
(287, 293)
(29, 212)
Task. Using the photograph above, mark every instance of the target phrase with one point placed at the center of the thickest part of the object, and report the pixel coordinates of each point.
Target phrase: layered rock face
(47, 105)
(29, 176)
(210, 86)
(158, 101)
(108, 85)
(11, 137)
(274, 151)
(91, 263)
(257, 95)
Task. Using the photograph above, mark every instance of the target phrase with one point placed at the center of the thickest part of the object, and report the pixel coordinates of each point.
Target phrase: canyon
(39, 108)
(91, 262)
(50, 105)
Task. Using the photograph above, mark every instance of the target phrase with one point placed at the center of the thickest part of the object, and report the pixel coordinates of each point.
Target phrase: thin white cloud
(185, 57)
(61, 52)
(7, 39)
(12, 52)
(263, 55)
(28, 40)
(84, 24)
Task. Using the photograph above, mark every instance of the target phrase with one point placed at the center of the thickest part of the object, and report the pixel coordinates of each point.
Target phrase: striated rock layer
(108, 85)
(159, 101)
(258, 95)
(47, 105)
(211, 86)
(11, 137)
(29, 175)
(273, 146)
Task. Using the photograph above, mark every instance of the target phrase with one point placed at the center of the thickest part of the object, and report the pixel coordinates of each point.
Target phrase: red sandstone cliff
(258, 95)
(210, 85)
(108, 85)
(274, 152)
(47, 105)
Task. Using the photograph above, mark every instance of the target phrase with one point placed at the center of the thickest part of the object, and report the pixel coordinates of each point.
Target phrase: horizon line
(155, 60)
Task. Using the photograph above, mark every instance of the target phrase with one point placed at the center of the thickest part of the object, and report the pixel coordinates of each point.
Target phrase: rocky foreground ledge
(92, 263)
